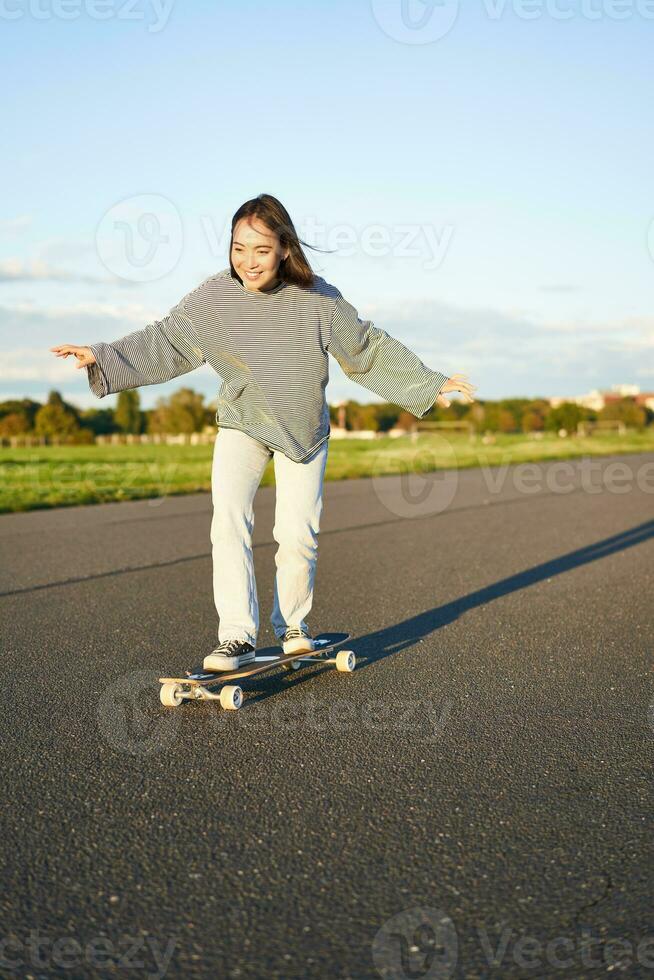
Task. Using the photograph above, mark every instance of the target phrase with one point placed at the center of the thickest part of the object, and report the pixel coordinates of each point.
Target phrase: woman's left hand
(458, 382)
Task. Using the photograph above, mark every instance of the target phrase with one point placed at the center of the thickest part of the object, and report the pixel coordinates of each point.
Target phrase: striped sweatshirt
(270, 350)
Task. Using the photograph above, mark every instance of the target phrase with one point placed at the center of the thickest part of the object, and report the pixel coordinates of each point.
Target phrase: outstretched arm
(163, 350)
(384, 365)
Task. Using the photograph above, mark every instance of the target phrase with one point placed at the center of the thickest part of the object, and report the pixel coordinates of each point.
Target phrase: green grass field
(59, 476)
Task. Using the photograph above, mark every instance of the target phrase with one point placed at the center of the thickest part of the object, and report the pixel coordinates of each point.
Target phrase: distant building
(596, 400)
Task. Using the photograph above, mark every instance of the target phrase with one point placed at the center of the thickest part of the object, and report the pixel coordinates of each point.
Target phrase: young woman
(266, 326)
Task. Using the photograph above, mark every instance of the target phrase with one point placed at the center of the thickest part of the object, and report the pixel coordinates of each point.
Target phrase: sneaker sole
(221, 662)
(299, 646)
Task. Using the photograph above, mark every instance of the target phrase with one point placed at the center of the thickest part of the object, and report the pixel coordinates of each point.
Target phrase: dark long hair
(295, 269)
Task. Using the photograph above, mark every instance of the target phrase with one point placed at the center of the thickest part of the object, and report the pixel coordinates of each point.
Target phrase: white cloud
(509, 353)
(28, 369)
(124, 311)
(63, 250)
(12, 226)
(502, 352)
(18, 270)
(35, 364)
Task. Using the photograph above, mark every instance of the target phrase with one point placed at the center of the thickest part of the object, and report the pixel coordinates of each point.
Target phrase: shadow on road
(383, 643)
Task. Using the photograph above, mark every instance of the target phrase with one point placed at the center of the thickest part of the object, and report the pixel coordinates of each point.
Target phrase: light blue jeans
(238, 465)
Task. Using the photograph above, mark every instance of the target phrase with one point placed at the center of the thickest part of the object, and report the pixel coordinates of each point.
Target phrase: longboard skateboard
(197, 682)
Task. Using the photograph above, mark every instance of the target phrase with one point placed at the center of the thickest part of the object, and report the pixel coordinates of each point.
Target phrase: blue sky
(483, 171)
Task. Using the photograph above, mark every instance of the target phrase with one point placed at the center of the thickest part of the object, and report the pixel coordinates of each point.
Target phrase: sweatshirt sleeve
(381, 363)
(160, 352)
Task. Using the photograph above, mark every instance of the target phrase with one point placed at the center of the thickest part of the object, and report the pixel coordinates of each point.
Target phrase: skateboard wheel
(346, 661)
(231, 697)
(171, 695)
(295, 664)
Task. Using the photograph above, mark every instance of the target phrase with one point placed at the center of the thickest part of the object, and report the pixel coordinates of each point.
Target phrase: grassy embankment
(56, 476)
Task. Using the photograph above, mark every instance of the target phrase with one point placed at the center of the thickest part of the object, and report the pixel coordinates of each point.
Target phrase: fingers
(83, 354)
(459, 382)
(63, 350)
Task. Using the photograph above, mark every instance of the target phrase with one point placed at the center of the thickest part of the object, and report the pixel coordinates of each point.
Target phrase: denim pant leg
(298, 507)
(238, 465)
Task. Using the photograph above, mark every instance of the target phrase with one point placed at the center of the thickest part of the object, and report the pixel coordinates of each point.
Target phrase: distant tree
(516, 407)
(460, 409)
(406, 421)
(14, 424)
(210, 413)
(438, 413)
(626, 410)
(532, 421)
(21, 406)
(506, 421)
(182, 412)
(491, 416)
(358, 417)
(566, 416)
(127, 414)
(540, 405)
(100, 421)
(57, 419)
(386, 417)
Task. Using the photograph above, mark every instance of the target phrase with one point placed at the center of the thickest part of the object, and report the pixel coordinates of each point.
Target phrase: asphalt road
(475, 800)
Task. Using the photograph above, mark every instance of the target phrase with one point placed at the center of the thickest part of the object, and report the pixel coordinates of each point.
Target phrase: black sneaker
(297, 640)
(230, 655)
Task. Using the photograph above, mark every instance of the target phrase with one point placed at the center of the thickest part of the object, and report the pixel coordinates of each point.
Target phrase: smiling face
(256, 254)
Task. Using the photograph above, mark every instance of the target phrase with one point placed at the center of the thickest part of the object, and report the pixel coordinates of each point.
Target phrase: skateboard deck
(196, 684)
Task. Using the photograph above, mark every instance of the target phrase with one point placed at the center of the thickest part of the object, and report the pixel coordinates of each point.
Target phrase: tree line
(506, 415)
(185, 412)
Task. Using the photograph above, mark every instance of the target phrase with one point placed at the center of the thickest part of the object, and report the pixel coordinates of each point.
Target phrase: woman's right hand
(458, 382)
(83, 354)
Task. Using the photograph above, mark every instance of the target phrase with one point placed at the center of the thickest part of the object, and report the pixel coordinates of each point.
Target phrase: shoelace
(293, 633)
(229, 646)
